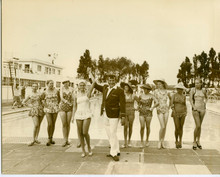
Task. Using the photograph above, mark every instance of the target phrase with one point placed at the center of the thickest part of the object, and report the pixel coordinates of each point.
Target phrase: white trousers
(111, 125)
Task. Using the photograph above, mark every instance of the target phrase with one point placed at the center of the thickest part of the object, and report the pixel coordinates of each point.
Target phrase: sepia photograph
(114, 87)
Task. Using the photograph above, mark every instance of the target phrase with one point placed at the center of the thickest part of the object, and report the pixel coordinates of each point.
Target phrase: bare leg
(142, 123)
(38, 130)
(80, 130)
(126, 131)
(148, 121)
(63, 116)
(69, 116)
(86, 125)
(181, 129)
(131, 121)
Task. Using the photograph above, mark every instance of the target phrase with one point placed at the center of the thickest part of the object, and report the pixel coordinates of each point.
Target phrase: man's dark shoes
(118, 154)
(115, 158)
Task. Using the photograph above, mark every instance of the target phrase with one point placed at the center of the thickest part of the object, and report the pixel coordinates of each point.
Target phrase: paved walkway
(18, 158)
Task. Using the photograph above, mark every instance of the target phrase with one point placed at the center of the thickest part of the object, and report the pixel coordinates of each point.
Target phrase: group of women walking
(72, 106)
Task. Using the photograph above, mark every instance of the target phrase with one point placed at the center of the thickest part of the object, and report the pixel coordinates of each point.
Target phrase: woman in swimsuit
(145, 102)
(51, 98)
(179, 111)
(163, 99)
(129, 119)
(66, 107)
(36, 112)
(198, 99)
(82, 113)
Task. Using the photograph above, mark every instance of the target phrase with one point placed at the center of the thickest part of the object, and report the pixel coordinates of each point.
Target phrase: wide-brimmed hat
(81, 81)
(161, 80)
(65, 81)
(146, 86)
(180, 86)
(123, 84)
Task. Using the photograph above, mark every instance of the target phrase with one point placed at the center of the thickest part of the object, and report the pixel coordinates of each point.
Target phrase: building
(27, 72)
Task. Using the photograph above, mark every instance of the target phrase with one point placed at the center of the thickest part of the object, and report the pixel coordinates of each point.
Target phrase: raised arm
(90, 90)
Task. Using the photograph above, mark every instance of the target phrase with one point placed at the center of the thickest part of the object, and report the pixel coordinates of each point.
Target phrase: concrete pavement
(18, 158)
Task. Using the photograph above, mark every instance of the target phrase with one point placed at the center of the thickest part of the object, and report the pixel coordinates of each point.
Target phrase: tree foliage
(206, 66)
(121, 66)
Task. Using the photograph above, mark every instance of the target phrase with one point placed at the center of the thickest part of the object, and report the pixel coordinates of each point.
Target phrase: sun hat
(65, 80)
(161, 80)
(180, 86)
(146, 86)
(123, 84)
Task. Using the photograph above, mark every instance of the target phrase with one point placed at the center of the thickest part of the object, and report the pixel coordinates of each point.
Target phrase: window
(38, 67)
(6, 81)
(49, 70)
(58, 72)
(46, 70)
(26, 68)
(58, 84)
(53, 71)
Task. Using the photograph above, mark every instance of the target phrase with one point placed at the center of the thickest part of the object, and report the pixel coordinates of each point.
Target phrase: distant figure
(179, 111)
(198, 100)
(17, 96)
(23, 90)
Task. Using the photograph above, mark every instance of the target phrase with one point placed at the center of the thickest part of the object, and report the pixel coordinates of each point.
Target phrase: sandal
(90, 153)
(194, 146)
(124, 145)
(64, 144)
(199, 145)
(78, 145)
(147, 144)
(129, 144)
(31, 144)
(52, 142)
(83, 155)
(159, 145)
(38, 142)
(163, 145)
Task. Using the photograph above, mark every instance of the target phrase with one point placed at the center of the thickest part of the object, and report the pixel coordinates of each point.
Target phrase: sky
(162, 32)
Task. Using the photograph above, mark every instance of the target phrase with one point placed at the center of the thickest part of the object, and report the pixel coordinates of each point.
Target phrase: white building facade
(27, 72)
